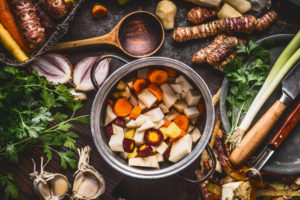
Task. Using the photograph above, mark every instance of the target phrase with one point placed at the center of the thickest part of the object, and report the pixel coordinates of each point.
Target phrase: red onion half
(81, 76)
(54, 67)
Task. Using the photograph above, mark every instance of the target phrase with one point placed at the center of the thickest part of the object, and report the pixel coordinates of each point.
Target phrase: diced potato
(180, 105)
(169, 97)
(159, 124)
(139, 138)
(147, 98)
(133, 100)
(176, 87)
(141, 105)
(155, 114)
(209, 3)
(192, 97)
(148, 124)
(171, 115)
(228, 12)
(143, 73)
(163, 130)
(133, 154)
(195, 134)
(180, 148)
(116, 143)
(183, 82)
(121, 85)
(124, 155)
(173, 130)
(241, 6)
(117, 130)
(191, 112)
(110, 115)
(163, 107)
(150, 161)
(159, 157)
(161, 148)
(141, 119)
(130, 133)
(131, 124)
(190, 128)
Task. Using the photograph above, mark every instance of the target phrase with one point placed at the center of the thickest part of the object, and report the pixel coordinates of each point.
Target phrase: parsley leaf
(10, 189)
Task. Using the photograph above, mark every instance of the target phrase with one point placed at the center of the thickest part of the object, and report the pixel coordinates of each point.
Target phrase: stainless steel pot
(99, 104)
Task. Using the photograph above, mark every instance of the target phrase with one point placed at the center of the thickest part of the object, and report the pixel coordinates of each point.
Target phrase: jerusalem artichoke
(220, 66)
(199, 14)
(57, 9)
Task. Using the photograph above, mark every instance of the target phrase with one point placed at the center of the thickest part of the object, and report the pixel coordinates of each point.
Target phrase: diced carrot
(157, 76)
(110, 102)
(182, 134)
(99, 11)
(136, 111)
(122, 107)
(171, 72)
(139, 84)
(156, 91)
(200, 107)
(167, 123)
(182, 122)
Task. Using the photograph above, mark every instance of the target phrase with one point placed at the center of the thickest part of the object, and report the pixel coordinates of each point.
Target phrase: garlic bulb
(49, 186)
(88, 183)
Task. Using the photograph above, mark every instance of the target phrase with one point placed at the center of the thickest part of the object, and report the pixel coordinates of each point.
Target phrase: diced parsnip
(161, 148)
(133, 154)
(159, 124)
(194, 120)
(209, 3)
(130, 133)
(150, 161)
(155, 114)
(139, 138)
(147, 98)
(148, 124)
(163, 130)
(131, 124)
(183, 82)
(117, 130)
(130, 83)
(126, 93)
(228, 12)
(124, 155)
(159, 157)
(133, 100)
(192, 97)
(141, 105)
(177, 88)
(110, 115)
(163, 107)
(180, 105)
(171, 115)
(195, 134)
(143, 73)
(191, 112)
(140, 120)
(121, 85)
(190, 128)
(116, 143)
(241, 6)
(169, 97)
(181, 148)
(173, 130)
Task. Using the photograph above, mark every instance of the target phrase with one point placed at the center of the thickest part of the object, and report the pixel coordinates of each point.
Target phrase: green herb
(245, 77)
(10, 189)
(29, 116)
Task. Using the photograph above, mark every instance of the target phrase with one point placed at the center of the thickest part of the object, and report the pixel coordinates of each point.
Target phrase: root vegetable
(243, 24)
(45, 20)
(122, 107)
(199, 14)
(81, 76)
(182, 122)
(228, 12)
(57, 9)
(240, 5)
(11, 45)
(99, 11)
(157, 77)
(171, 72)
(156, 91)
(166, 11)
(139, 84)
(221, 65)
(136, 111)
(54, 67)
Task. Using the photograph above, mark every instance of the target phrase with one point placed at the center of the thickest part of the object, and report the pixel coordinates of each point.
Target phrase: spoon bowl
(139, 34)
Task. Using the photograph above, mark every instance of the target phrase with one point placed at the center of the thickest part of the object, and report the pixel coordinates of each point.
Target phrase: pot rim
(97, 108)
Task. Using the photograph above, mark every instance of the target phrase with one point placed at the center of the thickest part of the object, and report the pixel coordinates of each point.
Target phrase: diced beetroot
(167, 153)
(153, 137)
(145, 150)
(128, 145)
(119, 122)
(109, 131)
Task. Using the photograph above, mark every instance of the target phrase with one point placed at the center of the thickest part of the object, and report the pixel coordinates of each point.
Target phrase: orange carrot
(9, 23)
(139, 84)
(182, 122)
(156, 91)
(157, 76)
(182, 134)
(167, 123)
(200, 107)
(136, 111)
(110, 102)
(171, 72)
(122, 107)
(99, 11)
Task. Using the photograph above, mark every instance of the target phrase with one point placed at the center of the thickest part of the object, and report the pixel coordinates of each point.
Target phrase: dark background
(84, 26)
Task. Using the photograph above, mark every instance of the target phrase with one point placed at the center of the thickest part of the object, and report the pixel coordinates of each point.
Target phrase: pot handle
(208, 175)
(94, 67)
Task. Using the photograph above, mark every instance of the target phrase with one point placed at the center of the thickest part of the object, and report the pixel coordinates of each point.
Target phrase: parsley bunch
(29, 116)
(10, 189)
(246, 74)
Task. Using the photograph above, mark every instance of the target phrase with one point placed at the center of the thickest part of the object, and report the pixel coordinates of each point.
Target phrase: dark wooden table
(84, 26)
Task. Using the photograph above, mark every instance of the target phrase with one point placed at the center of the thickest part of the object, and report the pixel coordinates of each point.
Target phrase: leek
(284, 63)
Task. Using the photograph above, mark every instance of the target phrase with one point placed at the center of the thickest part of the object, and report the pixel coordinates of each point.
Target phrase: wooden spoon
(138, 34)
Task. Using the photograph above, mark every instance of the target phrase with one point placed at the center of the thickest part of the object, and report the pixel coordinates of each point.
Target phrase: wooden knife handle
(257, 134)
(288, 125)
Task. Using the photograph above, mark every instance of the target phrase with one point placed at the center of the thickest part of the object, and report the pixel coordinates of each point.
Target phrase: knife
(287, 126)
(255, 136)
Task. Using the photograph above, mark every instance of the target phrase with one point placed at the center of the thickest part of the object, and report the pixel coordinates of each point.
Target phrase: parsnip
(240, 5)
(228, 12)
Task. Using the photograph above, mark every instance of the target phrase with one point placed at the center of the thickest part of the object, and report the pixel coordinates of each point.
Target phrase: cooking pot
(99, 105)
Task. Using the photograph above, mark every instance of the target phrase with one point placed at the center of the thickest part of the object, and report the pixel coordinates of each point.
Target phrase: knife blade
(265, 155)
(291, 83)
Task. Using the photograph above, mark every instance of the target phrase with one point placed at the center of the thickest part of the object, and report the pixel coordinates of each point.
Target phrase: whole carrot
(9, 23)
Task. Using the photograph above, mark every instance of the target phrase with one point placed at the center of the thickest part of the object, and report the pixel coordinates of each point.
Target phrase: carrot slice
(167, 123)
(139, 84)
(156, 91)
(200, 107)
(122, 107)
(171, 72)
(182, 122)
(135, 112)
(110, 102)
(99, 11)
(182, 134)
(157, 76)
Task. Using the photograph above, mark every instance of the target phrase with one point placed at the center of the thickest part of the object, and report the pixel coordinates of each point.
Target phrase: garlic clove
(89, 186)
(59, 186)
(42, 189)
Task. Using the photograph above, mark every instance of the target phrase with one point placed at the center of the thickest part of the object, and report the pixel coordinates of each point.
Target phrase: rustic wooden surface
(83, 27)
